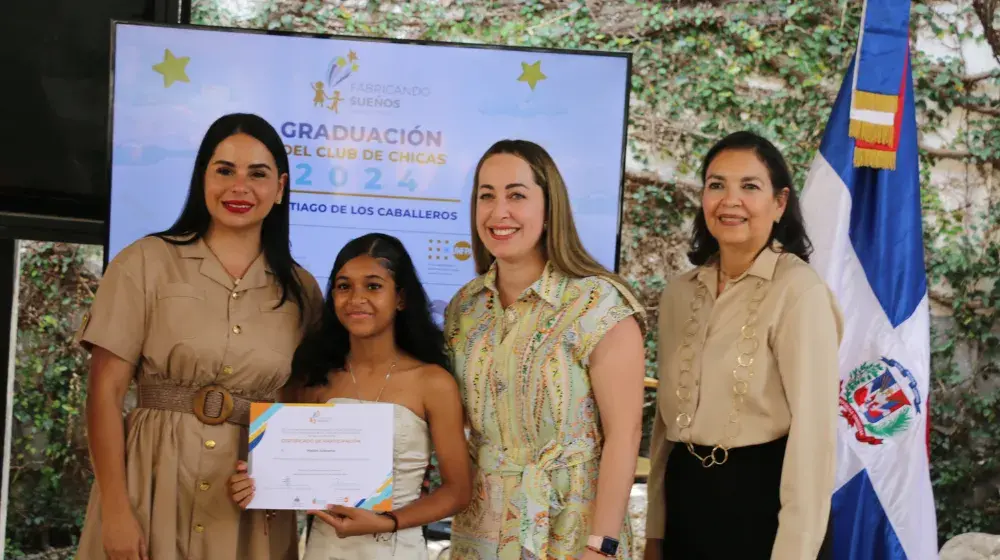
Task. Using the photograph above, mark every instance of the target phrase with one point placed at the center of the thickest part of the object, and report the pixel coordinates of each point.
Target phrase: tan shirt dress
(174, 312)
(793, 390)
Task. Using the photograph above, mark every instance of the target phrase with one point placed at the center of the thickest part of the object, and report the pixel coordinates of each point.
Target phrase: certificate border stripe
(255, 440)
(260, 413)
(259, 421)
(381, 500)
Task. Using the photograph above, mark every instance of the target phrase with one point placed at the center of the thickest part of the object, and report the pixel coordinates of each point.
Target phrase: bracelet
(390, 515)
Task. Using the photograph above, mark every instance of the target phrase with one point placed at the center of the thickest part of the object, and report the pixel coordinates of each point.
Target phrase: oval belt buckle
(198, 404)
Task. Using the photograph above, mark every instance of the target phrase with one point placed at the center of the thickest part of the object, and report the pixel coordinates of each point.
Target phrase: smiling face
(739, 202)
(242, 183)
(510, 208)
(365, 299)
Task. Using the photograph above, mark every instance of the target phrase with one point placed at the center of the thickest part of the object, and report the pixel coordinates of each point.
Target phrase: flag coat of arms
(863, 215)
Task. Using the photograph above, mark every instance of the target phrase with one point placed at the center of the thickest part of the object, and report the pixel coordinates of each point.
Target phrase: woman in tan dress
(204, 317)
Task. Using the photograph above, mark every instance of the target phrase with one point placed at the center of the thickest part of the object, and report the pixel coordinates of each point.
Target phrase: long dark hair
(326, 349)
(790, 231)
(194, 220)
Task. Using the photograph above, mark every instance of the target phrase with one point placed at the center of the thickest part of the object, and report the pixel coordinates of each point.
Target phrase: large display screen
(381, 135)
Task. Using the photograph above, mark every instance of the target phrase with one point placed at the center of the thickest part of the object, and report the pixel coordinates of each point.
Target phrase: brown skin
(109, 380)
(740, 208)
(510, 217)
(366, 301)
(241, 168)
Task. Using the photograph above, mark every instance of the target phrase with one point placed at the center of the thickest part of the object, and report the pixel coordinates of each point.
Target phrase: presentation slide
(381, 136)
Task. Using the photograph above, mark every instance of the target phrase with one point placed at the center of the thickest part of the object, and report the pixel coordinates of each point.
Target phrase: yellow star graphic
(531, 73)
(172, 68)
(352, 56)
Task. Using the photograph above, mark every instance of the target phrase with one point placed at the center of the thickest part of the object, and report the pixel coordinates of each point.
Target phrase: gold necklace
(357, 390)
(236, 279)
(720, 452)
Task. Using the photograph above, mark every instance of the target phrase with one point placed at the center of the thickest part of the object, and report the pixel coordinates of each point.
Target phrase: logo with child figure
(879, 400)
(339, 69)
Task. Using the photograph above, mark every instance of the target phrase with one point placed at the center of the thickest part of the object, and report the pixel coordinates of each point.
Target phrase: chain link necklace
(357, 389)
(747, 347)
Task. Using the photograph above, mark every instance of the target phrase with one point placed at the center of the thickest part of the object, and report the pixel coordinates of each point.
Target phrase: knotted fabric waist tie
(536, 498)
(212, 404)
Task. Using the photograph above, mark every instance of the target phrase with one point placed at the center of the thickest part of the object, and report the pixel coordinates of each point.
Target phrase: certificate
(308, 456)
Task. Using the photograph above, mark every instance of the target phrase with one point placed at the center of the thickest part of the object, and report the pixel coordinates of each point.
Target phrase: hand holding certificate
(305, 457)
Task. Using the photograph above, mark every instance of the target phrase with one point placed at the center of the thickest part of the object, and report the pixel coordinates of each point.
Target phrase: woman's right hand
(122, 536)
(241, 486)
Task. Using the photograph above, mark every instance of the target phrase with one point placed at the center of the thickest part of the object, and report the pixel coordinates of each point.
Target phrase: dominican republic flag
(865, 225)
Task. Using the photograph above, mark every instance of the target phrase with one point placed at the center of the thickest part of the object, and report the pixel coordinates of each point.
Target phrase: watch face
(609, 546)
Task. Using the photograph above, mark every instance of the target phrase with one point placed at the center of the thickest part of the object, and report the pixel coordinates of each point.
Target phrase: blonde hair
(561, 244)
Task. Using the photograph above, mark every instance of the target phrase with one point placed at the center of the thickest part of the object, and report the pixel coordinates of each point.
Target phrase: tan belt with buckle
(212, 404)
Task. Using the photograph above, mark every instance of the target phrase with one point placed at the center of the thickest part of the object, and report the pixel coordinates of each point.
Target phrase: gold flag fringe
(868, 101)
(872, 133)
(878, 159)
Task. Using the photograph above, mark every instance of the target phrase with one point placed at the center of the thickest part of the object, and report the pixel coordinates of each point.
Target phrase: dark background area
(55, 59)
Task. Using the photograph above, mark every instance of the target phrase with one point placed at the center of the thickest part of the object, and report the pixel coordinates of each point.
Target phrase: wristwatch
(603, 545)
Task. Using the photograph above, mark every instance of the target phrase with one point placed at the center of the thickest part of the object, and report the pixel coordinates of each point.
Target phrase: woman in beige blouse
(204, 317)
(744, 439)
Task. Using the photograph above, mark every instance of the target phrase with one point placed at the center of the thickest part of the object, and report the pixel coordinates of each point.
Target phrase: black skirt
(726, 511)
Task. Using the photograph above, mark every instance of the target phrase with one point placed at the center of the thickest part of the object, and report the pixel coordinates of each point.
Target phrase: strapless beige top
(410, 457)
